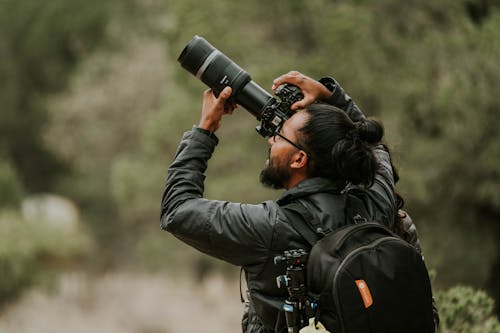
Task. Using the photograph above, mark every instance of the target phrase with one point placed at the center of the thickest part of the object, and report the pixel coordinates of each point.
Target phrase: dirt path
(126, 302)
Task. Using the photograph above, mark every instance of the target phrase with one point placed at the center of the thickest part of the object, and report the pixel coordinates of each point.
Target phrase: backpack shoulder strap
(295, 213)
(353, 208)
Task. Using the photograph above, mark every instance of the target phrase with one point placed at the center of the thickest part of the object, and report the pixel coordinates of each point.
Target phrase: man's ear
(299, 160)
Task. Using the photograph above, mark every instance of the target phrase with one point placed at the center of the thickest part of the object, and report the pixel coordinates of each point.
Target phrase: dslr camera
(217, 71)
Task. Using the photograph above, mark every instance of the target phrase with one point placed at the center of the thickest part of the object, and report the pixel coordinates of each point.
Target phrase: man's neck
(294, 180)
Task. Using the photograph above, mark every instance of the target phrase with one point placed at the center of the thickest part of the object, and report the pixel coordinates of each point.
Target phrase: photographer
(320, 150)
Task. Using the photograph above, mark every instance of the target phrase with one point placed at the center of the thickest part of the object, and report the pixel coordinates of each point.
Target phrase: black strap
(354, 211)
(295, 210)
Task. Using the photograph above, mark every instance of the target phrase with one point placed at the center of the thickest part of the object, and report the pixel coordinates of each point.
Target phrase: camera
(217, 71)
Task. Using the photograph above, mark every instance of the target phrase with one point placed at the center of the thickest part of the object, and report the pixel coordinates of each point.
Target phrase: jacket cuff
(207, 133)
(341, 100)
(337, 92)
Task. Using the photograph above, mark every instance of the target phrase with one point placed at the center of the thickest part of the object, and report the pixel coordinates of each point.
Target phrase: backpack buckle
(359, 219)
(323, 232)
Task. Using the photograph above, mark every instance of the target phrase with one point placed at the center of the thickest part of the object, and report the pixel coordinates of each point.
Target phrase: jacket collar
(310, 186)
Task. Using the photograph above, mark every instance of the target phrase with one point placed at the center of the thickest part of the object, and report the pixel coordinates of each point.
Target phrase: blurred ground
(127, 303)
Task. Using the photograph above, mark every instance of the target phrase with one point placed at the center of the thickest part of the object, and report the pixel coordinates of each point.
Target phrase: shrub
(466, 310)
(31, 251)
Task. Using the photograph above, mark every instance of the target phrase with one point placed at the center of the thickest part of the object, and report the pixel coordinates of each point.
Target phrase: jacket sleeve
(238, 233)
(341, 100)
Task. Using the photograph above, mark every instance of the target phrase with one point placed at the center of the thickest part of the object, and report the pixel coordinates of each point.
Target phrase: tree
(41, 44)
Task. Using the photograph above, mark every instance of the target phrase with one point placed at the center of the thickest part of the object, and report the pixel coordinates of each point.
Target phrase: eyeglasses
(289, 141)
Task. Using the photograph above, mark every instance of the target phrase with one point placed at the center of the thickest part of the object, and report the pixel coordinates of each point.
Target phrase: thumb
(225, 93)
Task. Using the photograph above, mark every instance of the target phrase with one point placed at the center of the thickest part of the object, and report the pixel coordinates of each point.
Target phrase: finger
(293, 77)
(221, 100)
(302, 103)
(297, 106)
(207, 92)
(228, 108)
(281, 80)
(225, 93)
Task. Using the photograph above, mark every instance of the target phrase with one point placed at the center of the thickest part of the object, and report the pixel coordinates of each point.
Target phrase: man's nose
(270, 140)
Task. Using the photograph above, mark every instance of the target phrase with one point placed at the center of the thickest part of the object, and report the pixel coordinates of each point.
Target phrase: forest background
(93, 104)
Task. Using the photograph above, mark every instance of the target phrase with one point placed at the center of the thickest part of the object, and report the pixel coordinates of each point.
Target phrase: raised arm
(238, 233)
(327, 90)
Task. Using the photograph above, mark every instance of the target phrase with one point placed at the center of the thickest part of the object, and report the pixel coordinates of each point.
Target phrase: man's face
(278, 172)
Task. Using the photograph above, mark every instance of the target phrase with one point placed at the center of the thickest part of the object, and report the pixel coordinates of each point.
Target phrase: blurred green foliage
(12, 189)
(32, 251)
(465, 310)
(40, 45)
(93, 104)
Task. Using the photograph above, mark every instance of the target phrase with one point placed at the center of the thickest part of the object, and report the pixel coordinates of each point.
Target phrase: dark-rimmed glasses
(289, 141)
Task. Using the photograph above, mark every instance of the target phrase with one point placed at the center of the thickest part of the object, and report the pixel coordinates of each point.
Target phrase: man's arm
(327, 89)
(237, 233)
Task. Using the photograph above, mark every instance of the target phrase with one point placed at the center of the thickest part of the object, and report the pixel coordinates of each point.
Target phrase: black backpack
(364, 277)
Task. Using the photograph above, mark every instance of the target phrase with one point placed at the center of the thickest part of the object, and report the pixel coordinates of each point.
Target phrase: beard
(274, 176)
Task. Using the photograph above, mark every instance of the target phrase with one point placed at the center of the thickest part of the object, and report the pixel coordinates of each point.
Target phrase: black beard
(274, 177)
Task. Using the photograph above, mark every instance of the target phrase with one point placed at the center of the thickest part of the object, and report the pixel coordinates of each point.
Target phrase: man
(317, 153)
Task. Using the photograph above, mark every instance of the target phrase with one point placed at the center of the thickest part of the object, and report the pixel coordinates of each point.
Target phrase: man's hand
(312, 89)
(214, 108)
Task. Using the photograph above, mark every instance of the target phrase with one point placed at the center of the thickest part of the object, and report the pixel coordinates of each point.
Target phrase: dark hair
(340, 149)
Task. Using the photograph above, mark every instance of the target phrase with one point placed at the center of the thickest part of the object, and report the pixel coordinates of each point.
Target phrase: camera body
(217, 71)
(277, 112)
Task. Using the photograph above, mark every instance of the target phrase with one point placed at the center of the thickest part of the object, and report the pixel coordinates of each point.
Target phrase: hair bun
(354, 161)
(369, 130)
(352, 156)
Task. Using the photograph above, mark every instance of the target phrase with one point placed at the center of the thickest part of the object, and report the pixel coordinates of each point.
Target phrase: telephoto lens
(217, 71)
